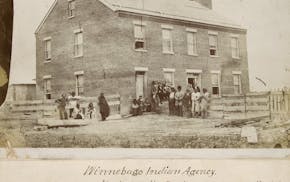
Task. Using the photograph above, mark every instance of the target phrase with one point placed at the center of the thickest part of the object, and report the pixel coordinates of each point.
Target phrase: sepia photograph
(152, 74)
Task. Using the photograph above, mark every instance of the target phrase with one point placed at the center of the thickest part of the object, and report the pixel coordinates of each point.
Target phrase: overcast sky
(267, 21)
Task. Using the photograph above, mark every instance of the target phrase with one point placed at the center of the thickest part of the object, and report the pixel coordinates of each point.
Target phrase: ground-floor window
(47, 88)
(169, 76)
(79, 84)
(215, 82)
(237, 84)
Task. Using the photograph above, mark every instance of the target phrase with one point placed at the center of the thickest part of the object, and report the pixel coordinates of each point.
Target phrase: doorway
(194, 79)
(140, 84)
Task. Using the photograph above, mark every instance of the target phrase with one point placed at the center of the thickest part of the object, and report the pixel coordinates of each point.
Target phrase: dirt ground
(151, 130)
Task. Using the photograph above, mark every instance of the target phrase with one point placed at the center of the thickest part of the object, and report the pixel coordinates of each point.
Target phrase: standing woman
(187, 103)
(195, 98)
(204, 103)
(178, 101)
(171, 102)
(104, 107)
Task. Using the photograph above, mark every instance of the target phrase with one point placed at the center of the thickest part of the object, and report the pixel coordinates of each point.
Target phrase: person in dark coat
(187, 103)
(171, 102)
(104, 107)
(61, 107)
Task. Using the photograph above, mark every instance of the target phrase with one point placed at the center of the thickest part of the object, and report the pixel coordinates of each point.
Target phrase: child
(135, 108)
(78, 112)
(91, 111)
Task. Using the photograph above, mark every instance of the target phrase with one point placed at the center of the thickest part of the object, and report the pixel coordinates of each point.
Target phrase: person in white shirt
(195, 98)
(171, 102)
(72, 103)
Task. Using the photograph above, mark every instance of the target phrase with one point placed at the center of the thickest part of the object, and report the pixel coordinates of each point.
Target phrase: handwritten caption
(149, 171)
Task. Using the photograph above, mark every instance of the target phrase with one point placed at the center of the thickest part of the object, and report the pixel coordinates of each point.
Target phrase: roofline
(241, 29)
(45, 17)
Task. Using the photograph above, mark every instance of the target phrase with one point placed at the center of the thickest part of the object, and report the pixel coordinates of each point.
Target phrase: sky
(267, 22)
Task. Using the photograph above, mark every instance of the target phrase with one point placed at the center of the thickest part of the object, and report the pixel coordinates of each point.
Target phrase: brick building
(121, 46)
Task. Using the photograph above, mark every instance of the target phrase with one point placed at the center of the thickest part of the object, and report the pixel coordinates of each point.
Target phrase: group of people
(139, 106)
(72, 104)
(191, 103)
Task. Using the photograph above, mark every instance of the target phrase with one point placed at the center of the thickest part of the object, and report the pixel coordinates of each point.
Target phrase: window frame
(71, 9)
(79, 90)
(218, 85)
(237, 48)
(78, 47)
(216, 46)
(169, 71)
(193, 51)
(169, 29)
(237, 73)
(47, 53)
(142, 26)
(47, 92)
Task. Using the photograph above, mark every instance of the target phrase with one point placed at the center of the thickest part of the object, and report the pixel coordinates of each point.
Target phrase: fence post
(270, 104)
(245, 102)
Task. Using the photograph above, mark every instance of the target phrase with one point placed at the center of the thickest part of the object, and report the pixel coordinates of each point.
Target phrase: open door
(140, 84)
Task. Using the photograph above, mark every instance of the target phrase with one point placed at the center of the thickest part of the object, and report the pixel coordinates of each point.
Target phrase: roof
(186, 10)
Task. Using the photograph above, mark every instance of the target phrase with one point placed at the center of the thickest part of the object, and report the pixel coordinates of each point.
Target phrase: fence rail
(48, 108)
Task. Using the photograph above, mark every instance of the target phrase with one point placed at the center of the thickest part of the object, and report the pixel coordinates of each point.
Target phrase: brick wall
(109, 56)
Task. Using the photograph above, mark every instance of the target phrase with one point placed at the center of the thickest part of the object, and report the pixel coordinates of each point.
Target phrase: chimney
(206, 3)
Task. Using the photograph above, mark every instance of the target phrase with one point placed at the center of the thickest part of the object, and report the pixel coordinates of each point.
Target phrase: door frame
(145, 83)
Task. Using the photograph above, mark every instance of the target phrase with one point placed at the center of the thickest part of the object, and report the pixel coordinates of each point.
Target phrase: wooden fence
(48, 108)
(280, 104)
(274, 104)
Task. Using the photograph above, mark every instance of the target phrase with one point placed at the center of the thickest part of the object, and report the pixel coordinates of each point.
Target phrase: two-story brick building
(121, 46)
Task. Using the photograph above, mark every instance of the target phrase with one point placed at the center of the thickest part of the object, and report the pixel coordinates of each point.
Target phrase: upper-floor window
(78, 43)
(191, 42)
(71, 8)
(139, 33)
(79, 83)
(167, 42)
(235, 47)
(47, 48)
(213, 44)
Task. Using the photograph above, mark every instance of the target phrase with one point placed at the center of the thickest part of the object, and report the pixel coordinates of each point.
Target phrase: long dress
(195, 97)
(104, 107)
(187, 104)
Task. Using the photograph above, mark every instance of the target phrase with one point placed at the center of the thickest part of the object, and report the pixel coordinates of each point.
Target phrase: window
(213, 45)
(71, 8)
(191, 43)
(237, 84)
(235, 47)
(169, 76)
(47, 88)
(215, 81)
(167, 41)
(79, 83)
(139, 33)
(47, 49)
(78, 44)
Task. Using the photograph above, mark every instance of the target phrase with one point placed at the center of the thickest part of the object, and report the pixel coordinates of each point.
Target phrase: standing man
(178, 101)
(61, 107)
(72, 103)
(104, 107)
